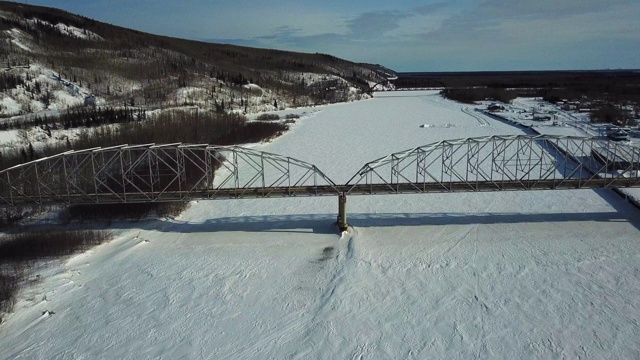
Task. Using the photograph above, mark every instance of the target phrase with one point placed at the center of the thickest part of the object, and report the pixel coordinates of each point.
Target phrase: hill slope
(76, 57)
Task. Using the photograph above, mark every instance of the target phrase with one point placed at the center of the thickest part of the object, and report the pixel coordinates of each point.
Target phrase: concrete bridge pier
(342, 212)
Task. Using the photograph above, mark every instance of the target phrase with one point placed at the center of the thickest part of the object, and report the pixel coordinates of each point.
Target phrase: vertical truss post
(565, 156)
(180, 162)
(66, 177)
(262, 173)
(392, 169)
(236, 176)
(518, 160)
(150, 166)
(157, 169)
(35, 168)
(395, 173)
(289, 174)
(421, 168)
(634, 169)
(124, 185)
(207, 168)
(95, 174)
(315, 179)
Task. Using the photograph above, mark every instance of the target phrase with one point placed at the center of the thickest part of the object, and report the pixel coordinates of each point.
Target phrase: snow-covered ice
(547, 274)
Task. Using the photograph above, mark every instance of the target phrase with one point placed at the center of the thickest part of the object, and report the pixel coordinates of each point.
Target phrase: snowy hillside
(547, 274)
(121, 66)
(42, 89)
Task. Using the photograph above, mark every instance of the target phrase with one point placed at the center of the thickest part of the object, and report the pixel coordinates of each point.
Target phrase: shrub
(19, 251)
(268, 117)
(610, 114)
(11, 215)
(121, 211)
(30, 246)
(9, 284)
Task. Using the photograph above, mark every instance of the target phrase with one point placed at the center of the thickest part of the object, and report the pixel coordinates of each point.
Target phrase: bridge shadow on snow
(325, 223)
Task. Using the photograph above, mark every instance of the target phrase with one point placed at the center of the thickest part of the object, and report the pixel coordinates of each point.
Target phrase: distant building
(495, 107)
(542, 118)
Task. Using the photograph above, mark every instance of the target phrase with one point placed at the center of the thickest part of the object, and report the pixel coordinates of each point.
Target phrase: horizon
(416, 36)
(518, 71)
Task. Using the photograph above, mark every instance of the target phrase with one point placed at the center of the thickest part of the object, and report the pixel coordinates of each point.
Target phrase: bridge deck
(328, 190)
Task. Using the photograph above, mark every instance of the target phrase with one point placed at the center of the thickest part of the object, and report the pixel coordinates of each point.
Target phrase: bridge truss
(496, 163)
(156, 173)
(180, 172)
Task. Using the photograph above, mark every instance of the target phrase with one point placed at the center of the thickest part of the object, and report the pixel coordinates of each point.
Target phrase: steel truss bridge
(182, 172)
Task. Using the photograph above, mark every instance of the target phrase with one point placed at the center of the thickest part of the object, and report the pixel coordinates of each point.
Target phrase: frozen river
(546, 274)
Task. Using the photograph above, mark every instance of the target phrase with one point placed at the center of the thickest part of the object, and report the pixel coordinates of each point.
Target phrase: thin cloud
(508, 9)
(431, 9)
(374, 24)
(281, 33)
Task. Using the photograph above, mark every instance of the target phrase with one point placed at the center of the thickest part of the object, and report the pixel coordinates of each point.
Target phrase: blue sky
(455, 35)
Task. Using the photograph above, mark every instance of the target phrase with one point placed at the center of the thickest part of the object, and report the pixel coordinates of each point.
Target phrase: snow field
(545, 274)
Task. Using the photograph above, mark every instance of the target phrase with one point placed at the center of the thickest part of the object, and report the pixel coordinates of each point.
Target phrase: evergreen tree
(32, 152)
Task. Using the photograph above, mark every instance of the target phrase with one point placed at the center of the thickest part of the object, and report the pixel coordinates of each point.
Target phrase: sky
(406, 36)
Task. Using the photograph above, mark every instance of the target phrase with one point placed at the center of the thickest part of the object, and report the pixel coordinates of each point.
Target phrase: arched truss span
(497, 163)
(179, 172)
(168, 172)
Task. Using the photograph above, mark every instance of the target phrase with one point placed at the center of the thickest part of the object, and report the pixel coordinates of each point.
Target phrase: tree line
(79, 117)
(198, 127)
